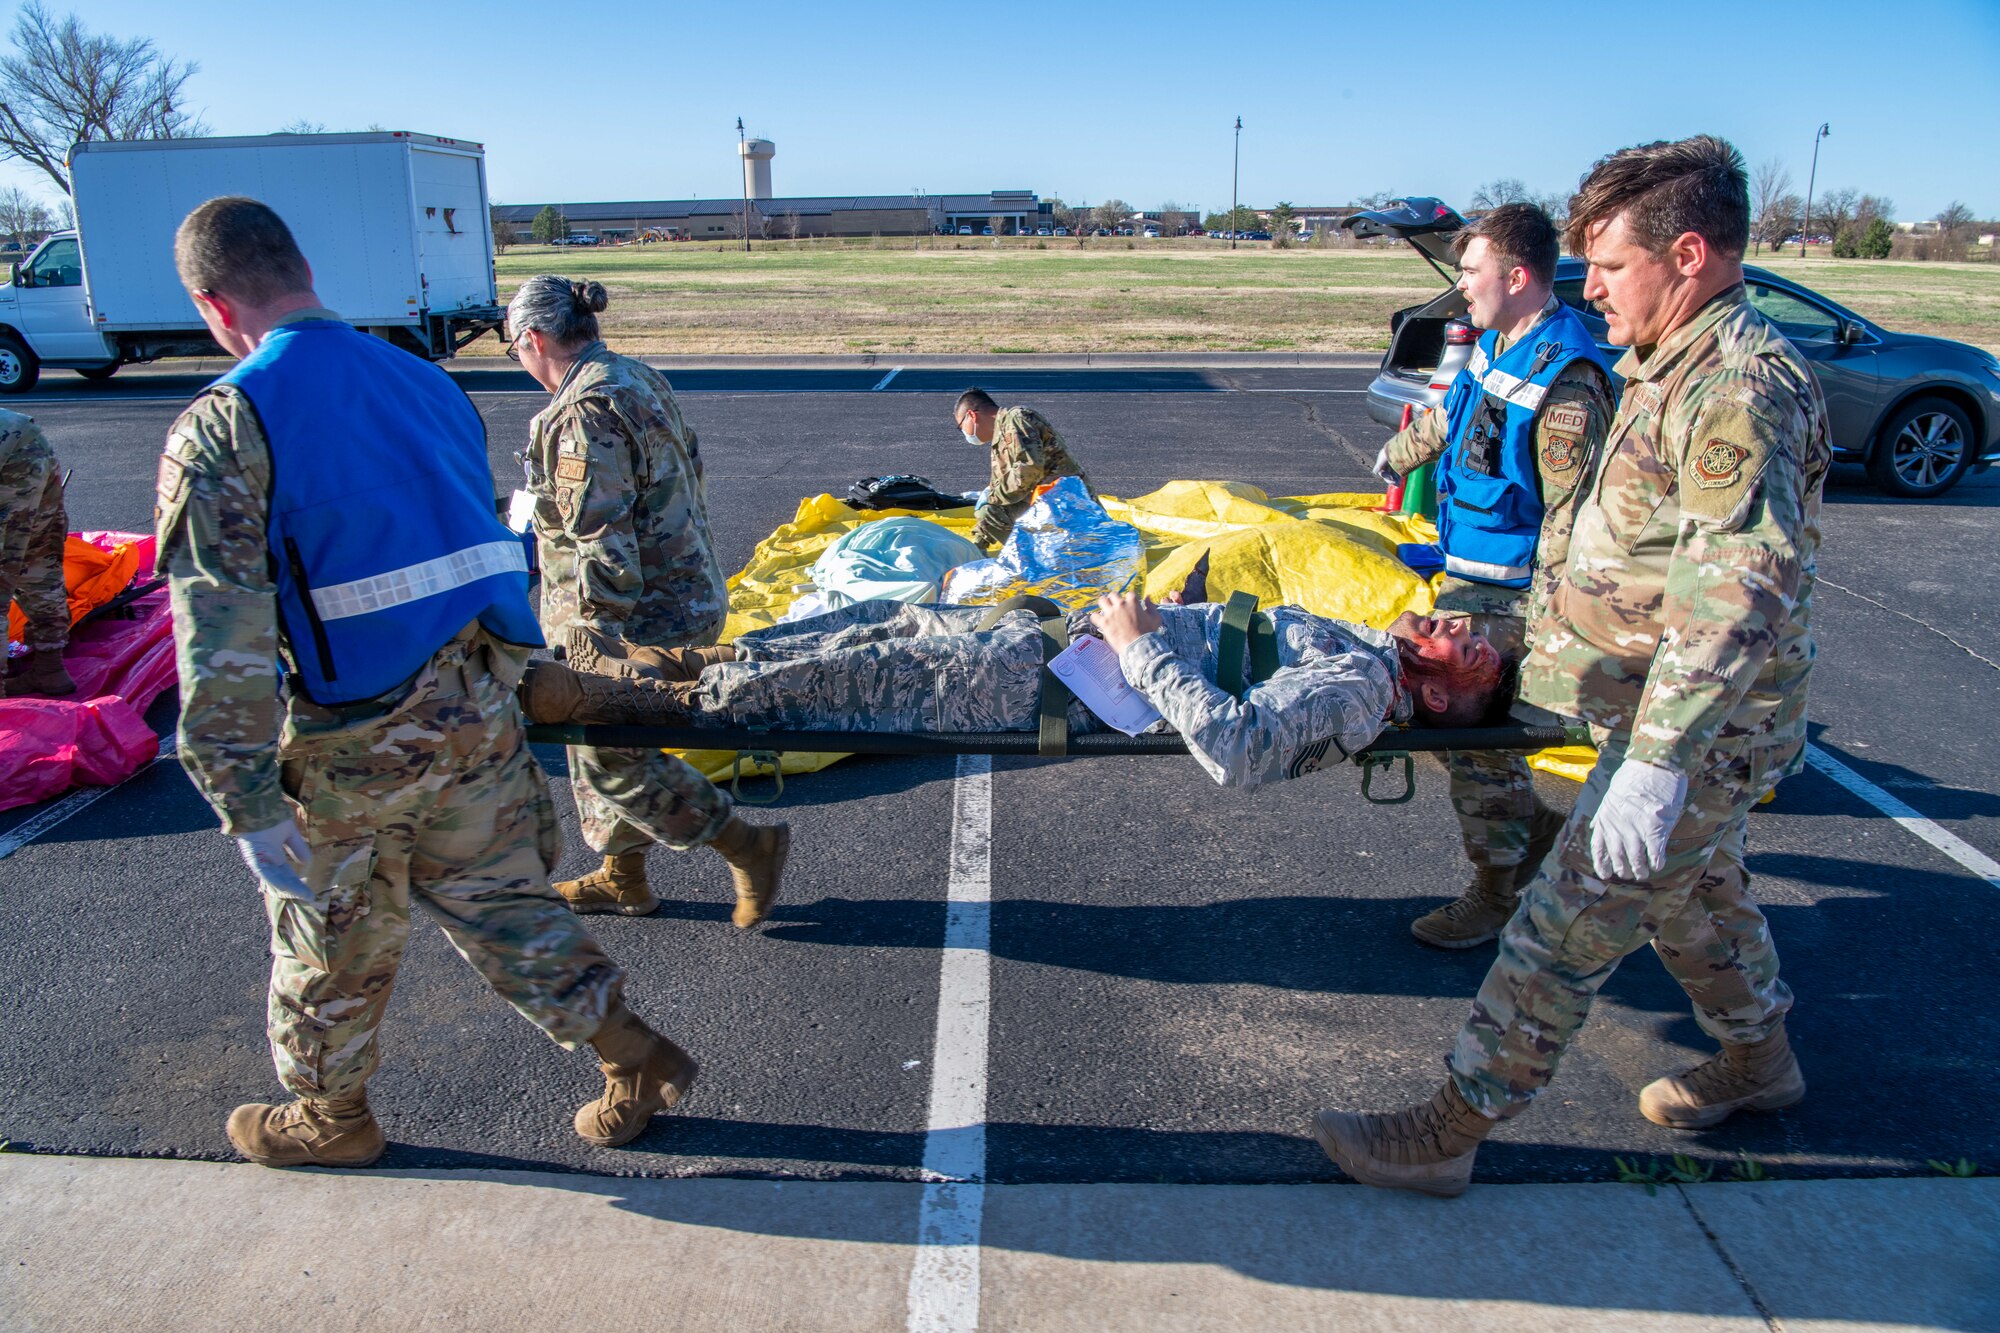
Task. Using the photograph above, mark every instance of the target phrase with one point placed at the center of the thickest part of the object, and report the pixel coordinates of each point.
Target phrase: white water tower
(757, 155)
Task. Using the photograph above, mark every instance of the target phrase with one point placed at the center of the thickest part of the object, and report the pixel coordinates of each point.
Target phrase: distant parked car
(965, 231)
(986, 231)
(1257, 236)
(1918, 412)
(1153, 233)
(1043, 231)
(1062, 231)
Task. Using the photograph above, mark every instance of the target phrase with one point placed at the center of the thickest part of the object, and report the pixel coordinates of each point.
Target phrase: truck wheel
(99, 374)
(1922, 450)
(19, 367)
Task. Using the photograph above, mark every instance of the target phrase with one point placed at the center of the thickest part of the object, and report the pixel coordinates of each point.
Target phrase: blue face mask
(974, 440)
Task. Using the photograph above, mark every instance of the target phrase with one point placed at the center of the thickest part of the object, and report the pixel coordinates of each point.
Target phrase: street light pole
(1805, 229)
(1235, 164)
(740, 160)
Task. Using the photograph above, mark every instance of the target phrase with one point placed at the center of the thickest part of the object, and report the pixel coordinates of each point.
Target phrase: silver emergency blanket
(1065, 548)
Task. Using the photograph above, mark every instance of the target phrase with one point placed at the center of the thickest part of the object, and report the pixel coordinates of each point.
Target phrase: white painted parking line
(1957, 848)
(884, 382)
(944, 1278)
(25, 832)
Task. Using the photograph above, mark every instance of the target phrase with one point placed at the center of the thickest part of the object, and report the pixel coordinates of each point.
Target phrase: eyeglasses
(513, 348)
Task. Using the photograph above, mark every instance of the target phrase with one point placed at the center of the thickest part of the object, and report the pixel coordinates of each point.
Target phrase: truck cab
(46, 318)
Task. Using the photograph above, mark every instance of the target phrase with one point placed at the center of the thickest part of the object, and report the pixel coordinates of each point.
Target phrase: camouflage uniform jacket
(21, 440)
(1569, 433)
(213, 507)
(1336, 687)
(1682, 618)
(1026, 452)
(620, 518)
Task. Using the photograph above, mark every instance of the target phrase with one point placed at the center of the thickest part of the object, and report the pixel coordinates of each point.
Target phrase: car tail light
(1459, 335)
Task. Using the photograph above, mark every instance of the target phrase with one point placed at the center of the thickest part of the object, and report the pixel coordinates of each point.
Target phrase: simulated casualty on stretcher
(1048, 657)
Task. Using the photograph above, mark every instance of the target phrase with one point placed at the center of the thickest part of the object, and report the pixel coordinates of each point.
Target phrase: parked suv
(1918, 412)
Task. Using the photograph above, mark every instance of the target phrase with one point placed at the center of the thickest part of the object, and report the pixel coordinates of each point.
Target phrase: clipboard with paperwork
(1090, 669)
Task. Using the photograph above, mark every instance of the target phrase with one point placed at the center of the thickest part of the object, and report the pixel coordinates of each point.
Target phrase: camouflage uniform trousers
(627, 800)
(33, 525)
(1492, 793)
(443, 804)
(1573, 929)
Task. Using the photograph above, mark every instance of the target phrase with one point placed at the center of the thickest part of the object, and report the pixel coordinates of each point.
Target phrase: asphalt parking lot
(1178, 974)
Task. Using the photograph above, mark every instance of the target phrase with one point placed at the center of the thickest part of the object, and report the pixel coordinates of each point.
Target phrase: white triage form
(520, 510)
(1091, 671)
(426, 578)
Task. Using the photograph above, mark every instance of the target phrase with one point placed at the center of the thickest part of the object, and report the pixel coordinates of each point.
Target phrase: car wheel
(1922, 450)
(99, 374)
(19, 367)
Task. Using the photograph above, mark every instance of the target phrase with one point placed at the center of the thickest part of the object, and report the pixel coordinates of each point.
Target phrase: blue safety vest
(1489, 489)
(382, 529)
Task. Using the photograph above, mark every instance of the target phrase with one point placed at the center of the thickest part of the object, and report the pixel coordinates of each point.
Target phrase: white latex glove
(1628, 836)
(278, 856)
(1382, 468)
(977, 497)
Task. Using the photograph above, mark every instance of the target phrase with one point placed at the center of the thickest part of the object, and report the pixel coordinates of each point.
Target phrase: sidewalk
(101, 1243)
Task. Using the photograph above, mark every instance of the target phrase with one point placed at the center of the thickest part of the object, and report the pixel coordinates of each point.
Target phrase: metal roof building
(814, 215)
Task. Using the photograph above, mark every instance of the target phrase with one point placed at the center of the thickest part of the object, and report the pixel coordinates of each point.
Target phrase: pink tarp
(98, 736)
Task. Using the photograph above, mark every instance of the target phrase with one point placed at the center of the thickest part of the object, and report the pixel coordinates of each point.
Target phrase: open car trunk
(1416, 333)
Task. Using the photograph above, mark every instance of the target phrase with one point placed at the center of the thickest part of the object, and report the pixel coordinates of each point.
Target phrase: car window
(1570, 292)
(1794, 316)
(58, 266)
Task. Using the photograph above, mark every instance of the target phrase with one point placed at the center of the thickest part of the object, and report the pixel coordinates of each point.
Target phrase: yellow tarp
(1334, 555)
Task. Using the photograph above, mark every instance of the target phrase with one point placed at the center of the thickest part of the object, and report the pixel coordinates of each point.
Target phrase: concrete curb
(94, 1243)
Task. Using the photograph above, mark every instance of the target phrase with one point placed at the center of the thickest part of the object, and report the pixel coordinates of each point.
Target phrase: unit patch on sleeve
(571, 469)
(1717, 464)
(1559, 453)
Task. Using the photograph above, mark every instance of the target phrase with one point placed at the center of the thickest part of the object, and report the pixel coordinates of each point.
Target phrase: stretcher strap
(1243, 625)
(1052, 739)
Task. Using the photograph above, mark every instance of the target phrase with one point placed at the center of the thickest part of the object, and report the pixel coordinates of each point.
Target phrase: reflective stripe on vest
(1485, 573)
(426, 578)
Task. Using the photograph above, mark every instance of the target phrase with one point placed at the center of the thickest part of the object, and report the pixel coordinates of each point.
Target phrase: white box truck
(395, 226)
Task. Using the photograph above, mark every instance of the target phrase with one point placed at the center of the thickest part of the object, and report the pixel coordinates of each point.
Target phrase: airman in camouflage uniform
(429, 795)
(1680, 632)
(1025, 452)
(32, 528)
(621, 524)
(1505, 830)
(887, 667)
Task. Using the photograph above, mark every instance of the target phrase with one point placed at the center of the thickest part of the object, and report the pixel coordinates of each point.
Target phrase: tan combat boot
(1758, 1076)
(1495, 891)
(313, 1131)
(1427, 1148)
(553, 692)
(756, 855)
(619, 885)
(644, 1073)
(1476, 915)
(679, 664)
(42, 674)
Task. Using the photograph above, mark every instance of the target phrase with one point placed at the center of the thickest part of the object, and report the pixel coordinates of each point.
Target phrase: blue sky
(577, 100)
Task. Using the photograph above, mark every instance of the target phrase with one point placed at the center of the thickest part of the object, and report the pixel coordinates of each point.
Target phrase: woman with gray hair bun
(622, 529)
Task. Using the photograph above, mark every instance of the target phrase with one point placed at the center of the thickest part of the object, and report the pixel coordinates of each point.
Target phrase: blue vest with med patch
(1489, 490)
(382, 531)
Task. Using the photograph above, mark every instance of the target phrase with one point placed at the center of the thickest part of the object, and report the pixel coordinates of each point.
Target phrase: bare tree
(1771, 182)
(1506, 190)
(1785, 215)
(303, 126)
(1834, 211)
(64, 83)
(65, 214)
(22, 215)
(1872, 206)
(1379, 199)
(504, 232)
(1954, 219)
(1112, 214)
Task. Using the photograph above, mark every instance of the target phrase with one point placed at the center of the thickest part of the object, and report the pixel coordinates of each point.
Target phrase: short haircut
(241, 248)
(1519, 236)
(976, 399)
(1665, 190)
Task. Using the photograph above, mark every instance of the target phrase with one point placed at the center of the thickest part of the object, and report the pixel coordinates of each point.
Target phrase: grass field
(900, 296)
